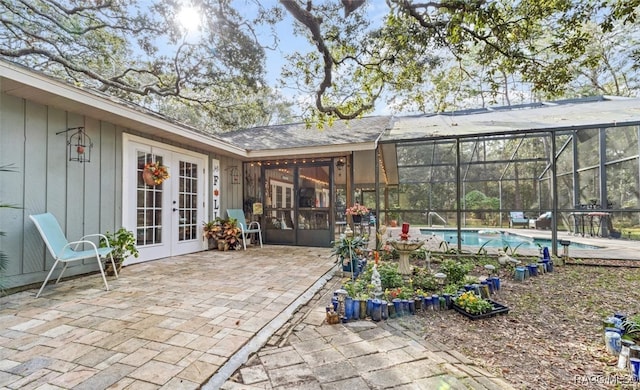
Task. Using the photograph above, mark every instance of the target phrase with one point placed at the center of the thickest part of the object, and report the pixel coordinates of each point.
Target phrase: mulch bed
(552, 337)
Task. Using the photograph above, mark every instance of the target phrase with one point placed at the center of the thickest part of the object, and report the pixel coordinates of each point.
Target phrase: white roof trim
(29, 80)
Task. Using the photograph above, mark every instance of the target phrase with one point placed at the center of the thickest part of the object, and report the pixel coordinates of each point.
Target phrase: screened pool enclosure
(567, 166)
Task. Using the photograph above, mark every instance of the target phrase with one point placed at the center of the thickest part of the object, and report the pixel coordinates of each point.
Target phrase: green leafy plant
(357, 289)
(423, 279)
(450, 289)
(123, 243)
(471, 303)
(419, 254)
(470, 279)
(348, 248)
(512, 251)
(631, 326)
(445, 248)
(389, 275)
(455, 271)
(398, 292)
(482, 251)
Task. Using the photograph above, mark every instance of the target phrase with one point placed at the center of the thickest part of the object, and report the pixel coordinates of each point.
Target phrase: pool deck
(611, 248)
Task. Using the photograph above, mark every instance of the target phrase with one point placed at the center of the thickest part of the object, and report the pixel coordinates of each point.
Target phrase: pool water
(496, 239)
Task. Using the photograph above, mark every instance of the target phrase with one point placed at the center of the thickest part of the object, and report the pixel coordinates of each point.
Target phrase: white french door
(166, 218)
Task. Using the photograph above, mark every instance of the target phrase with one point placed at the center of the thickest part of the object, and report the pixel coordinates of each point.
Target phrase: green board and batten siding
(86, 198)
(83, 197)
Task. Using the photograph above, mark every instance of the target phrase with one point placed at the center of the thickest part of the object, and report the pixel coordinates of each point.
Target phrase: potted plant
(347, 249)
(227, 234)
(473, 304)
(123, 243)
(393, 216)
(357, 211)
(210, 232)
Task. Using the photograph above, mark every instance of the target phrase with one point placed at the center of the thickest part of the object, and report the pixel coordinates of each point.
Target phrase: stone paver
(170, 323)
(358, 355)
(234, 320)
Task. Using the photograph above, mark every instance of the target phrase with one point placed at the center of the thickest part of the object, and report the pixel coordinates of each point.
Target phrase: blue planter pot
(348, 308)
(418, 303)
(376, 309)
(435, 302)
(496, 283)
(447, 301)
(613, 340)
(412, 306)
(350, 266)
(356, 309)
(397, 305)
(391, 309)
(427, 304)
(520, 274)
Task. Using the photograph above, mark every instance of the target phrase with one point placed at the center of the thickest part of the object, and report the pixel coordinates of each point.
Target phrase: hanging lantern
(79, 145)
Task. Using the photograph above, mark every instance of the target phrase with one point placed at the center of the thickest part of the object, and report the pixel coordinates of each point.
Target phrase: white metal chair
(64, 251)
(253, 227)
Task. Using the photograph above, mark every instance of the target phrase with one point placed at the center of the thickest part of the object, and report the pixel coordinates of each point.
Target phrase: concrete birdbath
(405, 248)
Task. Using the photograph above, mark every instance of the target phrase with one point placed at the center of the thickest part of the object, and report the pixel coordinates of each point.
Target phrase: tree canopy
(421, 56)
(474, 49)
(139, 52)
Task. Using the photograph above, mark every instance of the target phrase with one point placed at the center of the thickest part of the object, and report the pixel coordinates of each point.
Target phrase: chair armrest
(77, 244)
(98, 235)
(253, 223)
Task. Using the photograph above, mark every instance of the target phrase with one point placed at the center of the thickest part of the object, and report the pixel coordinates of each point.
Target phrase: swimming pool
(496, 239)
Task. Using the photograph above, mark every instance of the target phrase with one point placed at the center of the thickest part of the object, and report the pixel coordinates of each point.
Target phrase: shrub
(423, 279)
(456, 271)
(389, 275)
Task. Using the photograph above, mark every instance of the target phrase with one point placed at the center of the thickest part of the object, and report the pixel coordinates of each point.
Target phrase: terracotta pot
(108, 269)
(393, 223)
(148, 178)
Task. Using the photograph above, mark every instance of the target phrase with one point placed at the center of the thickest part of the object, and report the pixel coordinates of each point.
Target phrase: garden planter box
(498, 308)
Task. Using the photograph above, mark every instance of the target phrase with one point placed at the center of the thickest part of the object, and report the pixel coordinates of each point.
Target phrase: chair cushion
(516, 214)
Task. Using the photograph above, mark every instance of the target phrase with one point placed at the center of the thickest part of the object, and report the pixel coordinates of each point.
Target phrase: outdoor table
(602, 221)
(578, 222)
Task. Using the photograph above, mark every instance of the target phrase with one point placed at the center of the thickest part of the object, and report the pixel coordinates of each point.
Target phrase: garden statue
(376, 282)
(342, 294)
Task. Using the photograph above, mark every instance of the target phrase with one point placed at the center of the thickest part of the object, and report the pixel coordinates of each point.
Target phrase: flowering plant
(357, 209)
(471, 303)
(159, 172)
(398, 292)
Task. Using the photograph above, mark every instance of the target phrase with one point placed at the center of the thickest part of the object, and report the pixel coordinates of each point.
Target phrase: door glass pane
(148, 204)
(313, 197)
(279, 213)
(188, 200)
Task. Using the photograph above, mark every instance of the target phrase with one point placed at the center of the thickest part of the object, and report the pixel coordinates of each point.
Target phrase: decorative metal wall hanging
(340, 163)
(79, 144)
(234, 174)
